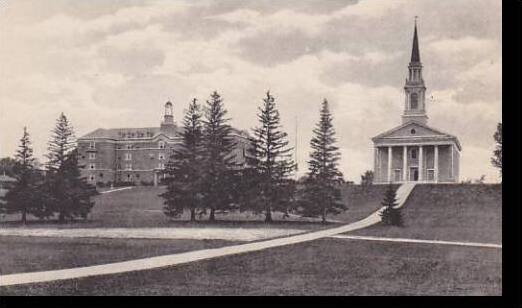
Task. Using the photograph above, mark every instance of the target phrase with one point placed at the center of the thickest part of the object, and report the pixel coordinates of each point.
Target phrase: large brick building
(413, 151)
(136, 155)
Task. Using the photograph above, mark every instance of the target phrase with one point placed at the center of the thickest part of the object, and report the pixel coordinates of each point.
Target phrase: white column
(436, 164)
(404, 163)
(389, 163)
(421, 164)
(375, 164)
(452, 175)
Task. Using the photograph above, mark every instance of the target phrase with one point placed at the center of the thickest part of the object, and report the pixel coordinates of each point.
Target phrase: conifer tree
(391, 215)
(270, 158)
(67, 193)
(322, 194)
(23, 195)
(218, 164)
(184, 167)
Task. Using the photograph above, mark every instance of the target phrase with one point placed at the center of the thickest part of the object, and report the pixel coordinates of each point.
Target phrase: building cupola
(168, 117)
(167, 125)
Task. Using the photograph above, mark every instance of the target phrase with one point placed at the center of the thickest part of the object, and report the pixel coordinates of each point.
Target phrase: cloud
(481, 83)
(114, 63)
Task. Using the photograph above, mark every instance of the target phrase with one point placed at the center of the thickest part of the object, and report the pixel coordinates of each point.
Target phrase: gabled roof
(115, 133)
(403, 131)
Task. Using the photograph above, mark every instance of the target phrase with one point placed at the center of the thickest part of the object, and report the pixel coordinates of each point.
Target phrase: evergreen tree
(496, 160)
(23, 196)
(62, 143)
(67, 193)
(391, 215)
(322, 194)
(184, 167)
(270, 163)
(218, 164)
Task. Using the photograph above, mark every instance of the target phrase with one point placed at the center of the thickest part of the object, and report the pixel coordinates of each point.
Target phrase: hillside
(361, 201)
(461, 212)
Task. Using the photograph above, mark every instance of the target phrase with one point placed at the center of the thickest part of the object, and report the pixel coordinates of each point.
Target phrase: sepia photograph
(251, 148)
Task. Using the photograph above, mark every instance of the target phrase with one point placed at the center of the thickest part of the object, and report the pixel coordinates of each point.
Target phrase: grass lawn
(449, 212)
(322, 267)
(29, 254)
(361, 201)
(142, 207)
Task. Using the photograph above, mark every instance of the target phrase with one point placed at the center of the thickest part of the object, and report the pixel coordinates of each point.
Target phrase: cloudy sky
(113, 63)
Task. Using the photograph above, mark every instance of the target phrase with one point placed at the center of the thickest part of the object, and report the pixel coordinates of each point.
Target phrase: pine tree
(62, 143)
(391, 215)
(270, 159)
(218, 164)
(322, 194)
(496, 160)
(23, 195)
(67, 193)
(184, 167)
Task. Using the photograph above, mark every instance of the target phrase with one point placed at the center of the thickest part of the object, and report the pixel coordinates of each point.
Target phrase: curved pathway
(411, 240)
(187, 257)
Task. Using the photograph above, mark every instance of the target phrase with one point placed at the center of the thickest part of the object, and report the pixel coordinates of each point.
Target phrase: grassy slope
(322, 267)
(464, 212)
(361, 201)
(29, 254)
(142, 207)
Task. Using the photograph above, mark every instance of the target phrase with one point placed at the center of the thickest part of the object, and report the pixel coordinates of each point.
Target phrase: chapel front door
(414, 174)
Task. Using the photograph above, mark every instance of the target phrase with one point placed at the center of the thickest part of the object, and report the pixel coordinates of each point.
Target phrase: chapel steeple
(415, 107)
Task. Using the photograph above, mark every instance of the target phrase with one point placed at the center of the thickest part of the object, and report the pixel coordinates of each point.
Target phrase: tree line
(204, 176)
(60, 190)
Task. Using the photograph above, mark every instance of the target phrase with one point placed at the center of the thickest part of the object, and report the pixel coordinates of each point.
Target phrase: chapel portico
(426, 160)
(413, 151)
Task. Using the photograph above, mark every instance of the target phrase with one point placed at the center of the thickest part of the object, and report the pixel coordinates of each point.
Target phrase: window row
(161, 145)
(129, 166)
(128, 156)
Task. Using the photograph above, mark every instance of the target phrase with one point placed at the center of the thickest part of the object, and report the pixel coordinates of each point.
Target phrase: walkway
(187, 257)
(206, 233)
(407, 240)
(116, 189)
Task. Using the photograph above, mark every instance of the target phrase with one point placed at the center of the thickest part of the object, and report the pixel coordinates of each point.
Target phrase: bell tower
(167, 125)
(414, 89)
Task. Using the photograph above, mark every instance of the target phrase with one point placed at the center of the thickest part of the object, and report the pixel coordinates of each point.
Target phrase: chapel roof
(415, 131)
